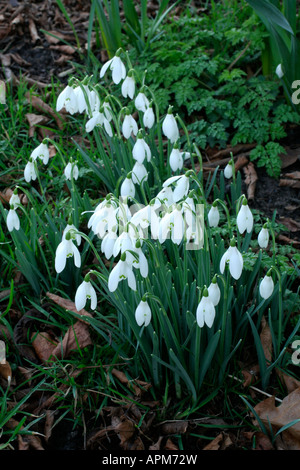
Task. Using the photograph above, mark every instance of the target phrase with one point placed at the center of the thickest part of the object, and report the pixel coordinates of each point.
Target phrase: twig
(256, 389)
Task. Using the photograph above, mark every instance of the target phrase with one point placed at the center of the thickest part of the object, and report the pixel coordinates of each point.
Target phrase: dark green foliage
(203, 66)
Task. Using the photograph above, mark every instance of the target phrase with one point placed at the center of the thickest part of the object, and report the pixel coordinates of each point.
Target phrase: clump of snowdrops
(171, 264)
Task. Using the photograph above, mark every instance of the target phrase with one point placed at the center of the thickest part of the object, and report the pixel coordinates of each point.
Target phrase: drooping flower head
(169, 127)
(235, 260)
(244, 218)
(84, 292)
(206, 312)
(266, 286)
(143, 313)
(117, 68)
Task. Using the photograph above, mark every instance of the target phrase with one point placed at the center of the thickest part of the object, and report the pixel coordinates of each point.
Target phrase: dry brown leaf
(5, 371)
(40, 105)
(285, 239)
(157, 444)
(33, 31)
(125, 430)
(291, 224)
(294, 175)
(250, 179)
(174, 427)
(65, 49)
(277, 417)
(34, 120)
(215, 444)
(48, 424)
(290, 382)
(241, 162)
(77, 336)
(43, 345)
(290, 183)
(266, 340)
(68, 305)
(169, 445)
(137, 385)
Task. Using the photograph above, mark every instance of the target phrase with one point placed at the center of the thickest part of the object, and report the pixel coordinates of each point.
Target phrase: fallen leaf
(40, 105)
(169, 445)
(125, 430)
(290, 382)
(138, 386)
(174, 427)
(65, 49)
(266, 340)
(277, 417)
(43, 345)
(289, 241)
(250, 179)
(33, 31)
(290, 183)
(241, 162)
(215, 444)
(157, 444)
(5, 371)
(68, 305)
(48, 424)
(34, 120)
(291, 224)
(76, 337)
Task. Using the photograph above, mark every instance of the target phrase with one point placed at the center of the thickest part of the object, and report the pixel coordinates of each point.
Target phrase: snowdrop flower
(143, 313)
(129, 126)
(279, 71)
(83, 96)
(176, 159)
(228, 170)
(169, 127)
(244, 218)
(266, 286)
(214, 291)
(148, 117)
(139, 173)
(172, 223)
(117, 68)
(85, 291)
(235, 260)
(14, 199)
(107, 110)
(42, 152)
(141, 149)
(71, 170)
(127, 187)
(30, 171)
(141, 102)
(67, 99)
(263, 237)
(120, 272)
(99, 119)
(128, 86)
(104, 216)
(141, 263)
(181, 188)
(205, 313)
(213, 216)
(74, 236)
(164, 197)
(108, 243)
(12, 220)
(66, 249)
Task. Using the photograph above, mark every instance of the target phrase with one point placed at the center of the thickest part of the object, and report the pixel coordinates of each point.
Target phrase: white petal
(80, 296)
(105, 67)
